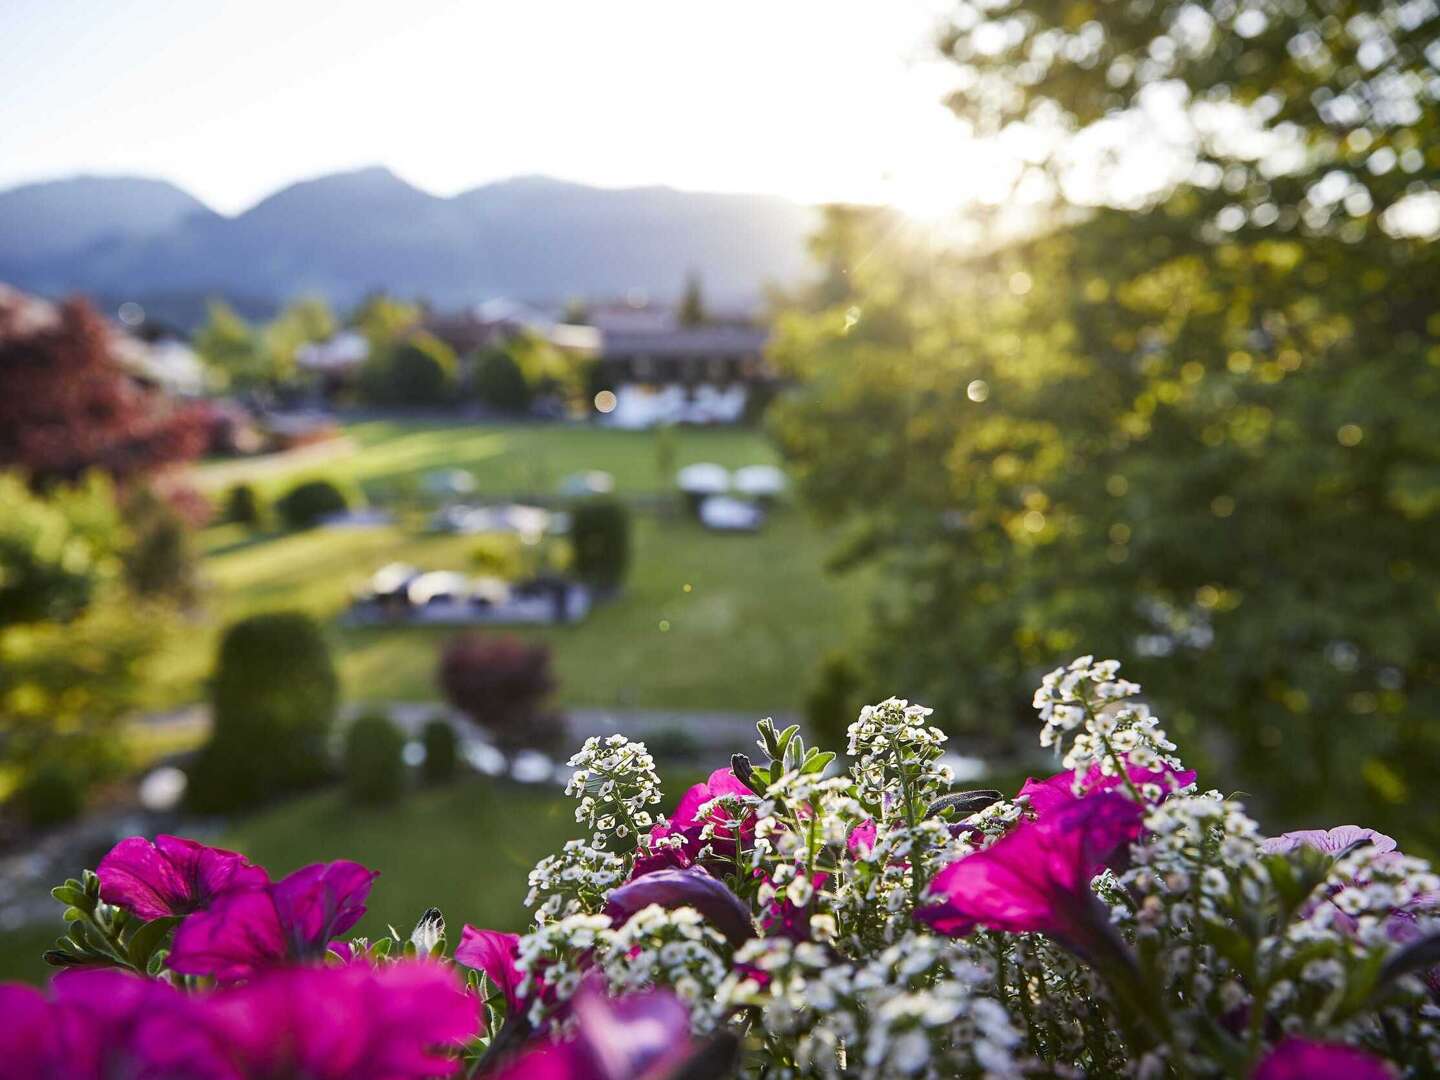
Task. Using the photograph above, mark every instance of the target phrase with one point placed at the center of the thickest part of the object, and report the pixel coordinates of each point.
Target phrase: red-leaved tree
(501, 683)
(68, 405)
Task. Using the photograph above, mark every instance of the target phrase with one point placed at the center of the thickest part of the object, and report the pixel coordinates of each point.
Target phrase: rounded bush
(305, 504)
(442, 752)
(501, 683)
(499, 382)
(600, 537)
(243, 506)
(374, 761)
(273, 699)
(833, 700)
(420, 371)
(52, 795)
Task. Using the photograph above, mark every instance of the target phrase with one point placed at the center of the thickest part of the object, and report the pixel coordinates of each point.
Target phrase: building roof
(684, 342)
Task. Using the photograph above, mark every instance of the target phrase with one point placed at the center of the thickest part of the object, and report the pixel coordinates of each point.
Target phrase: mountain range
(347, 234)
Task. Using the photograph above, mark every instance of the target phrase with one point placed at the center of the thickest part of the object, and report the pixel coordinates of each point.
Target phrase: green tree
(233, 350)
(692, 303)
(420, 370)
(1188, 430)
(498, 381)
(384, 320)
(305, 321)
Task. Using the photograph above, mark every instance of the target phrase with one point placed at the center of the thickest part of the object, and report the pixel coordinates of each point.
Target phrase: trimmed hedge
(600, 535)
(374, 761)
(306, 503)
(442, 752)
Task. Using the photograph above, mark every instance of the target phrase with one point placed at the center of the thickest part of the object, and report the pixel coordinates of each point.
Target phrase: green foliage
(419, 370)
(600, 536)
(160, 561)
(273, 699)
(1195, 429)
(55, 552)
(500, 555)
(306, 503)
(499, 383)
(306, 320)
(441, 751)
(692, 303)
(384, 319)
(53, 794)
(834, 699)
(243, 506)
(374, 766)
(233, 350)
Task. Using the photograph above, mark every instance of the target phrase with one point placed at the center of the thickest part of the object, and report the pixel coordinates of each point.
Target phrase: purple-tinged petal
(861, 840)
(694, 888)
(1330, 841)
(320, 902)
(172, 876)
(495, 954)
(235, 937)
(643, 1036)
(1304, 1059)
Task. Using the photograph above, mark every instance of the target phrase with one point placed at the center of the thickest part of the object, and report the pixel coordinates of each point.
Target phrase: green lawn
(757, 613)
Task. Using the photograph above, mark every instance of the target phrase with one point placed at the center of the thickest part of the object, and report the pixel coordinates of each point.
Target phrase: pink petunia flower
(1059, 790)
(357, 1022)
(293, 920)
(494, 953)
(688, 822)
(172, 876)
(642, 1036)
(1036, 878)
(1305, 1059)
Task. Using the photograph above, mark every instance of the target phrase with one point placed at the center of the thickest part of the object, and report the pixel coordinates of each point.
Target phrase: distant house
(677, 374)
(494, 322)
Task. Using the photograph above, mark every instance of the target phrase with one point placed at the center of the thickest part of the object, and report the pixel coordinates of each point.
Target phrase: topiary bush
(374, 761)
(273, 699)
(600, 537)
(500, 683)
(53, 794)
(306, 503)
(499, 382)
(244, 507)
(834, 698)
(442, 752)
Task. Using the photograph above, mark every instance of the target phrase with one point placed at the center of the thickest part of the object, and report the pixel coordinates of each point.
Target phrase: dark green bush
(273, 698)
(304, 505)
(243, 506)
(499, 382)
(441, 752)
(600, 534)
(374, 762)
(419, 371)
(53, 794)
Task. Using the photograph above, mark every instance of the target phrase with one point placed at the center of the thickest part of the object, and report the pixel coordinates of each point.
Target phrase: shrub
(419, 371)
(441, 751)
(500, 555)
(499, 382)
(600, 535)
(273, 699)
(53, 794)
(501, 684)
(243, 506)
(304, 505)
(833, 699)
(374, 763)
(160, 561)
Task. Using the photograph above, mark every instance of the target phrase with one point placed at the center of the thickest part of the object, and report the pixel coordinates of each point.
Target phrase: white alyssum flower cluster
(573, 881)
(616, 783)
(675, 948)
(1088, 703)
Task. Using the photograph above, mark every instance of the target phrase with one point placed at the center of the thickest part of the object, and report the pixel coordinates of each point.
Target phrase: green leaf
(816, 761)
(144, 941)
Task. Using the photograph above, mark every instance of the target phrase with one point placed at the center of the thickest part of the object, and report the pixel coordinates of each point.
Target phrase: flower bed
(789, 920)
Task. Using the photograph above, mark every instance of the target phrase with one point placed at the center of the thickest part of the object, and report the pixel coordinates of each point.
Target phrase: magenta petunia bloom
(493, 953)
(249, 930)
(172, 876)
(1330, 841)
(1304, 1059)
(664, 857)
(357, 1022)
(695, 888)
(643, 1036)
(861, 840)
(687, 820)
(1059, 790)
(1036, 878)
(88, 1027)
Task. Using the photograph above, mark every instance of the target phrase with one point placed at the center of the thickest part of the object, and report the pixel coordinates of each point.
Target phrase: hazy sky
(814, 99)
